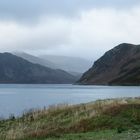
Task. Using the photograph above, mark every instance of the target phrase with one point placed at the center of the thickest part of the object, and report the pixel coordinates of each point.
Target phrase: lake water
(15, 99)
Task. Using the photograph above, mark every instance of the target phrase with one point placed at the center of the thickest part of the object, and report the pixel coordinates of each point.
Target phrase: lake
(16, 99)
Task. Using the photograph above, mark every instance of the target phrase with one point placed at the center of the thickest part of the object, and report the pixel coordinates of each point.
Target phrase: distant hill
(70, 64)
(73, 65)
(36, 60)
(14, 69)
(119, 66)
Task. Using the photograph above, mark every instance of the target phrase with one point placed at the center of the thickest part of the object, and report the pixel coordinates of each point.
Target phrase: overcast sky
(83, 28)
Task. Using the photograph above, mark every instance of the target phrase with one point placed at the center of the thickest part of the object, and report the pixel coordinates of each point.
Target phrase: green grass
(84, 136)
(100, 135)
(104, 120)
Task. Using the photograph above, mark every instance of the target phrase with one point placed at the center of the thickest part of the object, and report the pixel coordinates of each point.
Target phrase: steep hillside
(14, 69)
(119, 66)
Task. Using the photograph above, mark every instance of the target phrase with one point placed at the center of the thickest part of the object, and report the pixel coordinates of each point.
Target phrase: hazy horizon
(77, 28)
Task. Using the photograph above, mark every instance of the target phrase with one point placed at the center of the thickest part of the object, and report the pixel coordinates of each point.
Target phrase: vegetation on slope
(17, 70)
(106, 119)
(118, 66)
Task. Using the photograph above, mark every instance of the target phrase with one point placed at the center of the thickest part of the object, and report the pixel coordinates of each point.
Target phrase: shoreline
(59, 105)
(109, 116)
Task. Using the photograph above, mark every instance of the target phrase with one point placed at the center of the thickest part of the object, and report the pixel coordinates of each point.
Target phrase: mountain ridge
(69, 64)
(15, 69)
(35, 59)
(74, 65)
(118, 66)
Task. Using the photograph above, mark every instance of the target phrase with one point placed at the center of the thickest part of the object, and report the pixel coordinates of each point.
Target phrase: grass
(101, 120)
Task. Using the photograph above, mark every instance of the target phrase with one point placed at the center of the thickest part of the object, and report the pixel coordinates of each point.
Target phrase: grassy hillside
(118, 66)
(111, 119)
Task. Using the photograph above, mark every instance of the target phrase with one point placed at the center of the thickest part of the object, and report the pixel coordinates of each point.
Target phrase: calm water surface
(15, 99)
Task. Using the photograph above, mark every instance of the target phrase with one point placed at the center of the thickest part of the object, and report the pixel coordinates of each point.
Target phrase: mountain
(14, 69)
(73, 65)
(36, 60)
(118, 66)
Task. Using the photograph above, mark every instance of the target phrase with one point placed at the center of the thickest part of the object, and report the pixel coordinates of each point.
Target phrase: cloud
(88, 34)
(31, 10)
